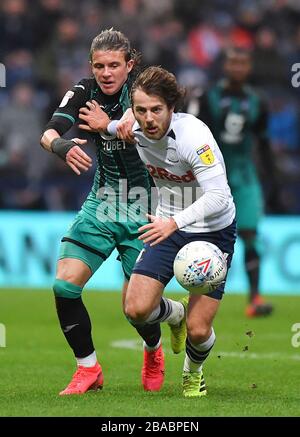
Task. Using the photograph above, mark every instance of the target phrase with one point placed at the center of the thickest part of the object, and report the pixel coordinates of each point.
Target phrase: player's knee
(135, 313)
(198, 334)
(66, 289)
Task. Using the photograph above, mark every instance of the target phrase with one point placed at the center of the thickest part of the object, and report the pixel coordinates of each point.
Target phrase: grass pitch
(252, 371)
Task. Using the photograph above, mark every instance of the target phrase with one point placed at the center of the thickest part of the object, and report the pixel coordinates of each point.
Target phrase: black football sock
(150, 333)
(252, 268)
(76, 325)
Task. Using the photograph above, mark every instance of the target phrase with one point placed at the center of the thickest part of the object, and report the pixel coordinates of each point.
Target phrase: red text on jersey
(162, 173)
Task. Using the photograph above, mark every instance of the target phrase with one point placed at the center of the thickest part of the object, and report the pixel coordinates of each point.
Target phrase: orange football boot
(153, 371)
(84, 379)
(258, 307)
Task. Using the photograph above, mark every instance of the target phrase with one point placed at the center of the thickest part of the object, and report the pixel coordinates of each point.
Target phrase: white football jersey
(180, 162)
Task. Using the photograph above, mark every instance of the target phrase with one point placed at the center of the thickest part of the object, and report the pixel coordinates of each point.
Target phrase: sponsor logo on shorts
(140, 256)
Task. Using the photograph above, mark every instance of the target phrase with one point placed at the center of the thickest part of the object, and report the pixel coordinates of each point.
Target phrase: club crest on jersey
(172, 155)
(205, 154)
(66, 98)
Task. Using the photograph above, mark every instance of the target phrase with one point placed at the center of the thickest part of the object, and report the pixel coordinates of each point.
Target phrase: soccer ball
(200, 267)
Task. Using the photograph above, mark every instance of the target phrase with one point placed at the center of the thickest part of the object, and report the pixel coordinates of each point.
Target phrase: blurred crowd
(44, 45)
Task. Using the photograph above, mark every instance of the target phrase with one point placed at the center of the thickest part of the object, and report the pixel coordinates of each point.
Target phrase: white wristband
(112, 127)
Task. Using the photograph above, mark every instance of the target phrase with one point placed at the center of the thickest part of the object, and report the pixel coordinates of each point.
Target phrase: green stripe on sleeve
(61, 114)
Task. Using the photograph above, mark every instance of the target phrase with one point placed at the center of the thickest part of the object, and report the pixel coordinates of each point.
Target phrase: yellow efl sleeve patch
(206, 155)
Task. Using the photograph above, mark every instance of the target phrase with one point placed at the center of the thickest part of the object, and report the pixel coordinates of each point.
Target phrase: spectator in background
(20, 126)
(16, 28)
(269, 67)
(284, 135)
(19, 68)
(46, 14)
(65, 54)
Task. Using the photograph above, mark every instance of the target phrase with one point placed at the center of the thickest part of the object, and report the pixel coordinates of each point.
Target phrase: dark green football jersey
(238, 122)
(119, 167)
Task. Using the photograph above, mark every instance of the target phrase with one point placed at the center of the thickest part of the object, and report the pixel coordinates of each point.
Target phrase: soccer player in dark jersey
(108, 218)
(237, 116)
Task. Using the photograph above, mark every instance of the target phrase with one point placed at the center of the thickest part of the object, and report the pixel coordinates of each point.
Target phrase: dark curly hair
(157, 81)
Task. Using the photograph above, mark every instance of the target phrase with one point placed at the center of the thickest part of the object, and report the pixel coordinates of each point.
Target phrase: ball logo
(196, 272)
(203, 266)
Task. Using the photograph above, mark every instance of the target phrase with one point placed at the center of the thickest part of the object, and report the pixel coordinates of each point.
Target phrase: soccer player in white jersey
(180, 152)
(195, 204)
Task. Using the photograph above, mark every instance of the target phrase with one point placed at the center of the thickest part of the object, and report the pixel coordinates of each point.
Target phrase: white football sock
(201, 351)
(169, 311)
(88, 361)
(177, 313)
(153, 348)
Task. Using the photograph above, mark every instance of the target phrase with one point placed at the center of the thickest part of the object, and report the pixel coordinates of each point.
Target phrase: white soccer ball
(200, 267)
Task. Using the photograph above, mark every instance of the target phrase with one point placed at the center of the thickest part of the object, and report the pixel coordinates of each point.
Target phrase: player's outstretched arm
(67, 150)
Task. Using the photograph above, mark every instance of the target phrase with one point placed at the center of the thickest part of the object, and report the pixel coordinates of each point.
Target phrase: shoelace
(76, 379)
(192, 381)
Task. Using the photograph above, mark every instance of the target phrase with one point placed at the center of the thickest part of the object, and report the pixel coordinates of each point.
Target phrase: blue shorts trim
(157, 261)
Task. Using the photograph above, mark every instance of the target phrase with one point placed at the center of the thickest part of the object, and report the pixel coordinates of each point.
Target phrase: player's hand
(158, 230)
(77, 159)
(96, 120)
(124, 127)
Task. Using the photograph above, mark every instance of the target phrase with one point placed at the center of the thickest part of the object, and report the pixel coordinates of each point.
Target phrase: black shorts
(157, 261)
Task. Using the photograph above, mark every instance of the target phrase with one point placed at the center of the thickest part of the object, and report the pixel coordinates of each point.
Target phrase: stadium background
(45, 50)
